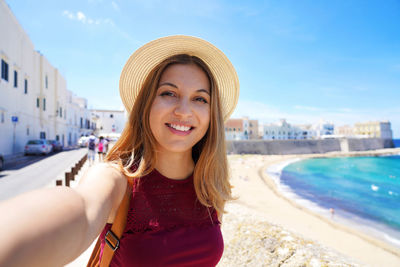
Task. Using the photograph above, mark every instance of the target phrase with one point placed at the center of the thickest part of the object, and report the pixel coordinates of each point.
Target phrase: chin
(176, 149)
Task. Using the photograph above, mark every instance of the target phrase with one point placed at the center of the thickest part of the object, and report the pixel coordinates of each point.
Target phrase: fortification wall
(286, 147)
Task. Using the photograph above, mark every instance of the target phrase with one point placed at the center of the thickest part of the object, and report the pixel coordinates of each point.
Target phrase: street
(37, 172)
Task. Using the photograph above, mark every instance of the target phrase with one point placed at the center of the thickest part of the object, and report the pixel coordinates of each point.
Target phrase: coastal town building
(282, 131)
(323, 129)
(374, 129)
(35, 102)
(307, 131)
(344, 131)
(109, 122)
(241, 129)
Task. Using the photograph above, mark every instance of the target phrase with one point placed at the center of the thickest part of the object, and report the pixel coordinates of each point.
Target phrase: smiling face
(180, 113)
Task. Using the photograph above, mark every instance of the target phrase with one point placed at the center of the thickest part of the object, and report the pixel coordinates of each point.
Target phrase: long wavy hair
(134, 151)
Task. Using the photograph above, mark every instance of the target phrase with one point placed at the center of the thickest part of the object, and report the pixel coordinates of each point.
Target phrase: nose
(183, 108)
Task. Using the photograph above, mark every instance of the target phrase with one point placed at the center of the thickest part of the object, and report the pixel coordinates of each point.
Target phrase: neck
(175, 166)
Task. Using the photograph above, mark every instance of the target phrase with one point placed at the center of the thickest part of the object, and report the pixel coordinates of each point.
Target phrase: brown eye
(201, 99)
(167, 93)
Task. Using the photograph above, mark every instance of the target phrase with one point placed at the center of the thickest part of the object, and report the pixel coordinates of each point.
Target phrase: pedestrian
(332, 211)
(107, 142)
(170, 159)
(101, 148)
(91, 145)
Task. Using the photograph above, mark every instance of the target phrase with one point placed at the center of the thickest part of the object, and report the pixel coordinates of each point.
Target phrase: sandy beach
(258, 194)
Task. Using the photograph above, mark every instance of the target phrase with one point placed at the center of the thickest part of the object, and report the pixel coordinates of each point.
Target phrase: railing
(70, 176)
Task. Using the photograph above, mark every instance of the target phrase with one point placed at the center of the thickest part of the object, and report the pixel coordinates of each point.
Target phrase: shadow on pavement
(23, 161)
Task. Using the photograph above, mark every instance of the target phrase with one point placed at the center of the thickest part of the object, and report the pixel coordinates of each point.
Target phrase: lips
(180, 129)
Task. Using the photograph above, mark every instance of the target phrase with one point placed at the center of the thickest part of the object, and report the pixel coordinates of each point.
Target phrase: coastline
(373, 229)
(265, 197)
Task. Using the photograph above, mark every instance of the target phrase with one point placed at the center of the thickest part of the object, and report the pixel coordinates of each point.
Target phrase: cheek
(154, 117)
(204, 116)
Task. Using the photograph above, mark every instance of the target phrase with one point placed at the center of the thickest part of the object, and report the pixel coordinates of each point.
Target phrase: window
(2, 117)
(4, 70)
(44, 103)
(47, 82)
(42, 135)
(15, 79)
(81, 122)
(27, 130)
(37, 102)
(26, 87)
(60, 112)
(111, 116)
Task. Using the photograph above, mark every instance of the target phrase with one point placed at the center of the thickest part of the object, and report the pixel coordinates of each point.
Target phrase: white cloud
(81, 17)
(115, 6)
(68, 14)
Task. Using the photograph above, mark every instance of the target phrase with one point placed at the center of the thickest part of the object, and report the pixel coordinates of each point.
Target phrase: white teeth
(180, 127)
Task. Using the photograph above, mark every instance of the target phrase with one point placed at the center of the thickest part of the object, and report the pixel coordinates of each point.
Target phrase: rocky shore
(252, 241)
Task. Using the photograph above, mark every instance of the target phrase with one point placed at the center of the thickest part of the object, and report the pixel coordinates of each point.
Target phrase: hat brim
(144, 59)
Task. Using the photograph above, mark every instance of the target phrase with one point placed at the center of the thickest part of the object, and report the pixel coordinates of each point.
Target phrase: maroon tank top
(167, 226)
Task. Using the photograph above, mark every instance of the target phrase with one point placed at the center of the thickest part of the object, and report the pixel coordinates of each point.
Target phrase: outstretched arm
(51, 227)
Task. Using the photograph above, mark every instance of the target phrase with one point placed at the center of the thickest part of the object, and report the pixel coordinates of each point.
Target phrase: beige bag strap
(114, 234)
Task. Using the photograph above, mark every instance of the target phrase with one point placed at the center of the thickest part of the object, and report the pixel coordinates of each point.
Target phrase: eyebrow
(173, 85)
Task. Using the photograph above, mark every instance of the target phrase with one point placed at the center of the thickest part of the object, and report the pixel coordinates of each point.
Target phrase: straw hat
(144, 59)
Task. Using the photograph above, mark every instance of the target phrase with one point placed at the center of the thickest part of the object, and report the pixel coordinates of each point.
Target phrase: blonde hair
(134, 150)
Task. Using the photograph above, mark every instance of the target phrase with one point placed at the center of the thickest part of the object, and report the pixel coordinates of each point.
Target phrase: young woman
(178, 91)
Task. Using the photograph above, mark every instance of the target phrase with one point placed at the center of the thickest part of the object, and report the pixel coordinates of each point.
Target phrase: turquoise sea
(365, 190)
(396, 142)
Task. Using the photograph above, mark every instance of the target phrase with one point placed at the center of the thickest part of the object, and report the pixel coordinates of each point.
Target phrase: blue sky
(304, 61)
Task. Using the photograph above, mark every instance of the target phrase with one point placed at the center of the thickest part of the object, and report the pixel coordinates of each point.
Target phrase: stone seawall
(287, 147)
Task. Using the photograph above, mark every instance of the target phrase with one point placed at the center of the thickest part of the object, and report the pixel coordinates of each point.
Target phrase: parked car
(56, 146)
(38, 147)
(1, 162)
(82, 141)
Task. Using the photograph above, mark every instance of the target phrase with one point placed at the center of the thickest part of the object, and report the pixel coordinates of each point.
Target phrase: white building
(80, 121)
(307, 131)
(109, 121)
(282, 131)
(323, 129)
(34, 100)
